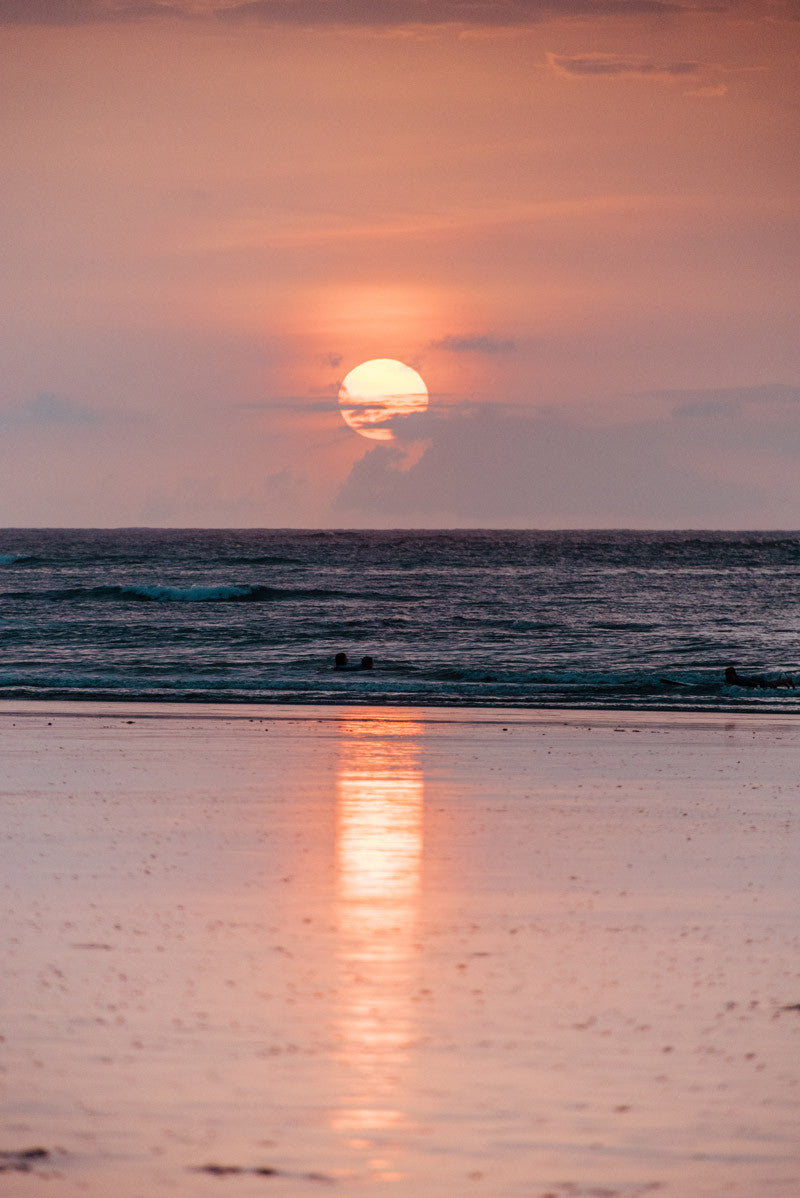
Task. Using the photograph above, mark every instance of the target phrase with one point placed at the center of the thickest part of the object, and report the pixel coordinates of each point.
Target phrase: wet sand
(424, 952)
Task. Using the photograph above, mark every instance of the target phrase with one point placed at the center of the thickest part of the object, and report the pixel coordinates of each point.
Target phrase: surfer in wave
(758, 681)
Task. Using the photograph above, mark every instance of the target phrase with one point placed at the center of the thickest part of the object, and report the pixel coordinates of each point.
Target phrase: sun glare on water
(376, 392)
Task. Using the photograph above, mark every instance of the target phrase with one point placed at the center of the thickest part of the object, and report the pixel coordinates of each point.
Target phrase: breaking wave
(226, 593)
(232, 593)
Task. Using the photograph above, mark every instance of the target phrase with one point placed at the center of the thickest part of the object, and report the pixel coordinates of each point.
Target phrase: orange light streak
(379, 840)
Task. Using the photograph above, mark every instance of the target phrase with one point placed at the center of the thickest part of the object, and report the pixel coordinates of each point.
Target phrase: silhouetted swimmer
(340, 661)
(757, 681)
(366, 663)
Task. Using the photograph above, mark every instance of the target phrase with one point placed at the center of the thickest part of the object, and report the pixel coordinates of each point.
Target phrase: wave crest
(225, 593)
(220, 593)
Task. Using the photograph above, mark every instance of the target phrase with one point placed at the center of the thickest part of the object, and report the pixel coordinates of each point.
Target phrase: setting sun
(376, 392)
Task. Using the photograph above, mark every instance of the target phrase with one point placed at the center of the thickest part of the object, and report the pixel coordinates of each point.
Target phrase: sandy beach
(298, 950)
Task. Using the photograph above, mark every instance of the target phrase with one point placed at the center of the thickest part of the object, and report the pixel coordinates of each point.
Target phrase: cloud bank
(611, 65)
(47, 410)
(479, 343)
(487, 465)
(365, 13)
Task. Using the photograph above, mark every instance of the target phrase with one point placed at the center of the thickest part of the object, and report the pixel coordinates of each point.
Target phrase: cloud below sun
(500, 466)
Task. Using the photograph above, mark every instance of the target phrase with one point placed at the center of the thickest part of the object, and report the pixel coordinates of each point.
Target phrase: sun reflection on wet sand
(379, 811)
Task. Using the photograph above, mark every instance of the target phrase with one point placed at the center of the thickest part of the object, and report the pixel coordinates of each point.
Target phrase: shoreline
(436, 714)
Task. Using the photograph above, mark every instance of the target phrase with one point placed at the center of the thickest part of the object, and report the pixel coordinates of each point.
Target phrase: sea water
(483, 618)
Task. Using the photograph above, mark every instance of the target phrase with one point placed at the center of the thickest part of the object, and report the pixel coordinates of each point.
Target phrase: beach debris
(215, 1170)
(22, 1160)
(573, 1189)
(219, 1170)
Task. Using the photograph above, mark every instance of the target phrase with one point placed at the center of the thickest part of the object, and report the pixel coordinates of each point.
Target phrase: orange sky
(578, 221)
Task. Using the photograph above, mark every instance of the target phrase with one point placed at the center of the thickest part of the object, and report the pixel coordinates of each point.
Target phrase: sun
(373, 393)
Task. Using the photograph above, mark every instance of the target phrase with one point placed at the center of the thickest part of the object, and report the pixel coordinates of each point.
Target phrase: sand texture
(428, 953)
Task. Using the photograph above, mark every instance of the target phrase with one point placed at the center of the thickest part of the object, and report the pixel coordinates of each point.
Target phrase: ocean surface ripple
(625, 620)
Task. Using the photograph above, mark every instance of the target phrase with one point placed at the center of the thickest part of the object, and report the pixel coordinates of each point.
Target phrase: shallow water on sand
(400, 952)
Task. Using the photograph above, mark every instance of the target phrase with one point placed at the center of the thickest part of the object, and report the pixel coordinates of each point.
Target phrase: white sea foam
(192, 594)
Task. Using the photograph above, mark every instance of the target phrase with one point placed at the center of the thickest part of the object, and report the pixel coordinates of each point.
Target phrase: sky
(576, 219)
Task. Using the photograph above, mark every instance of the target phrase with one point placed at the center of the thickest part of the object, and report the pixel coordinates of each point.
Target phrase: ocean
(627, 620)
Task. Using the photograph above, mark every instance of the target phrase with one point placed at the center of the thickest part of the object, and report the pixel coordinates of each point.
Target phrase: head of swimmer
(340, 662)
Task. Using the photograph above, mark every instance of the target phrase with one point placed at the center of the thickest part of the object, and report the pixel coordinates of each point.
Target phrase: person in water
(757, 681)
(340, 662)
